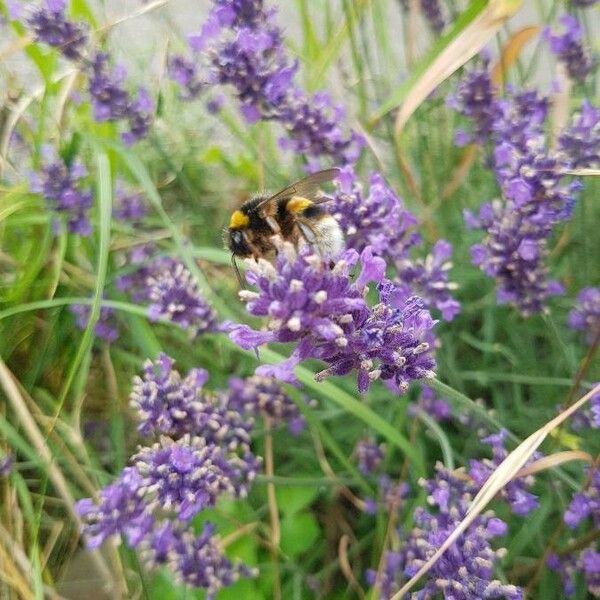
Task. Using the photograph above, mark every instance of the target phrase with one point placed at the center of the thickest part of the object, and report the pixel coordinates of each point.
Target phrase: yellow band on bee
(297, 204)
(238, 220)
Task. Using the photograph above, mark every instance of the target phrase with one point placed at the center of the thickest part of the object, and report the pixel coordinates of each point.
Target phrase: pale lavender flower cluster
(61, 186)
(535, 198)
(584, 506)
(378, 219)
(391, 496)
(326, 315)
(184, 72)
(432, 11)
(106, 327)
(130, 207)
(569, 565)
(194, 560)
(569, 49)
(369, 455)
(514, 493)
(243, 47)
(174, 296)
(466, 570)
(584, 3)
(588, 417)
(6, 465)
(475, 98)
(50, 26)
(141, 264)
(585, 316)
(263, 396)
(430, 404)
(169, 404)
(204, 456)
(579, 143)
(110, 100)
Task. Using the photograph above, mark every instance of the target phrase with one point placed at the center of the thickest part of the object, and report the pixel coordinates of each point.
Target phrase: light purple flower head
(61, 186)
(579, 144)
(130, 207)
(586, 504)
(324, 313)
(429, 403)
(106, 327)
(567, 46)
(515, 493)
(112, 102)
(264, 396)
(188, 475)
(369, 455)
(432, 11)
(174, 296)
(467, 568)
(50, 26)
(184, 72)
(169, 404)
(585, 316)
(6, 465)
(243, 49)
(195, 560)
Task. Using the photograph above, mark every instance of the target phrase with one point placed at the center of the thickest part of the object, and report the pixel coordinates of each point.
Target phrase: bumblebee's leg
(237, 271)
(306, 231)
(272, 223)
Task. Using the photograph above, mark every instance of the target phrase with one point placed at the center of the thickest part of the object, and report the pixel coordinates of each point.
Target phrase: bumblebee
(294, 213)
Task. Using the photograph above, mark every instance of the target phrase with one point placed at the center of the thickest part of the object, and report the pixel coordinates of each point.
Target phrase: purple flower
(6, 465)
(466, 570)
(130, 206)
(60, 184)
(174, 296)
(585, 504)
(379, 219)
(325, 314)
(185, 73)
(106, 326)
(429, 403)
(432, 11)
(243, 48)
(580, 142)
(515, 492)
(429, 279)
(475, 98)
(172, 405)
(121, 509)
(50, 26)
(263, 396)
(568, 48)
(112, 102)
(195, 560)
(583, 3)
(585, 316)
(188, 475)
(369, 456)
(570, 564)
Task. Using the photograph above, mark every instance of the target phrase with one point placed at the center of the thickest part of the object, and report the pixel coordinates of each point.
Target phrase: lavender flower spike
(60, 185)
(585, 316)
(325, 314)
(51, 27)
(568, 48)
(174, 296)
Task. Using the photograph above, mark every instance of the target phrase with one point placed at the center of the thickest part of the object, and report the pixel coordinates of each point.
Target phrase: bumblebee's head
(235, 237)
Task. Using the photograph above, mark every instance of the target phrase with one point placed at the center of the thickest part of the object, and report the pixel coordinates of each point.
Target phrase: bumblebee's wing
(307, 187)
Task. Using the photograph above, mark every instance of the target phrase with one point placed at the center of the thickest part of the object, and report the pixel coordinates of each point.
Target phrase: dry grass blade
(36, 438)
(460, 50)
(460, 173)
(505, 472)
(554, 460)
(583, 172)
(346, 568)
(511, 51)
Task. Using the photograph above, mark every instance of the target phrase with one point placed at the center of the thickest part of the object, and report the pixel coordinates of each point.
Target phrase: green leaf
(293, 499)
(105, 210)
(244, 588)
(298, 533)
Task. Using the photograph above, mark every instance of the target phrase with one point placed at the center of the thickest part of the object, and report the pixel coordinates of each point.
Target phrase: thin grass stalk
(273, 509)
